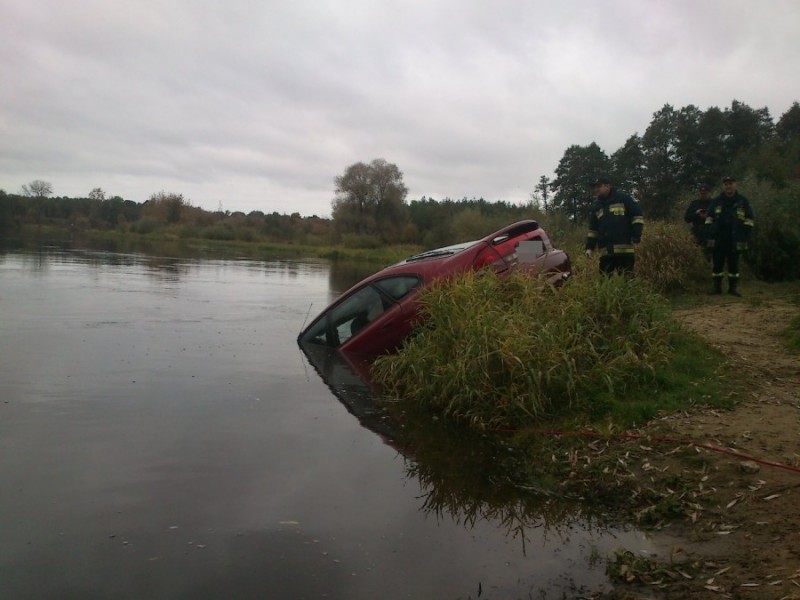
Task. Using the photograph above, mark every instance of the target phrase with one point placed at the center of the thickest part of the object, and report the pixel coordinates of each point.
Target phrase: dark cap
(728, 178)
(601, 181)
(704, 188)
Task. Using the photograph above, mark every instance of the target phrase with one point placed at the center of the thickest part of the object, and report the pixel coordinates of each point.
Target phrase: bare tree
(37, 189)
(97, 194)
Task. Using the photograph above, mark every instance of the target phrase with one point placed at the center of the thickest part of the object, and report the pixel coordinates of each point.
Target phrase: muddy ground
(739, 478)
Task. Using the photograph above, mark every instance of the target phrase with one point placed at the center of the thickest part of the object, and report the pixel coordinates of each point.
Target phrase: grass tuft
(792, 335)
(512, 352)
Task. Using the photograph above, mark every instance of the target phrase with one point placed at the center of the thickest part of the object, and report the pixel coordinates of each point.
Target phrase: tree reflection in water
(465, 476)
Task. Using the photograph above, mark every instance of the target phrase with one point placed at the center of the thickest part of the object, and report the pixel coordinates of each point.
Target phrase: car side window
(397, 287)
(345, 319)
(529, 251)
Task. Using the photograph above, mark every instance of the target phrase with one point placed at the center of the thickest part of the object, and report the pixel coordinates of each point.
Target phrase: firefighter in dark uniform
(615, 225)
(696, 214)
(728, 227)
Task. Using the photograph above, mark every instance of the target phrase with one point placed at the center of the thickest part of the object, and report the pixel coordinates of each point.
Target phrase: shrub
(669, 259)
(189, 232)
(244, 234)
(219, 232)
(774, 253)
(361, 241)
(145, 225)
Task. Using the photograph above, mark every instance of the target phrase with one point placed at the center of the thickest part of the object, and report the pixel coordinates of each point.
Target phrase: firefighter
(615, 226)
(728, 227)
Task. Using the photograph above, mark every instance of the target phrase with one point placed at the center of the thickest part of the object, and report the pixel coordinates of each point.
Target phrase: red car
(377, 314)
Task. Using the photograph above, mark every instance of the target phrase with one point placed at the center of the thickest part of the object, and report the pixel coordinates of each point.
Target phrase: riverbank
(712, 474)
(711, 471)
(732, 476)
(173, 245)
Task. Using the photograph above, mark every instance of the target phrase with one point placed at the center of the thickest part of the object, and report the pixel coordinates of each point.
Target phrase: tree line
(661, 167)
(679, 150)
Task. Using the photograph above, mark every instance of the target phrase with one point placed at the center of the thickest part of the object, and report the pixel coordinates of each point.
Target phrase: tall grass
(509, 352)
(667, 257)
(670, 260)
(774, 253)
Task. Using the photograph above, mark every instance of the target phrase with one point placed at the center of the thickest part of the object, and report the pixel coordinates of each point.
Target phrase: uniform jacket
(615, 223)
(730, 222)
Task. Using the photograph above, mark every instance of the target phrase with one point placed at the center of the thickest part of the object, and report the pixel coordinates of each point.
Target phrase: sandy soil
(743, 538)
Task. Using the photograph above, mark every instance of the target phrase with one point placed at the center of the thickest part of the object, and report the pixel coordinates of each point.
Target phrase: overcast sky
(259, 104)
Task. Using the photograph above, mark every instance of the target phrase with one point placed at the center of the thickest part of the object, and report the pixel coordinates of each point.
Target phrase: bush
(219, 232)
(669, 259)
(245, 234)
(507, 352)
(774, 253)
(361, 241)
(188, 232)
(145, 225)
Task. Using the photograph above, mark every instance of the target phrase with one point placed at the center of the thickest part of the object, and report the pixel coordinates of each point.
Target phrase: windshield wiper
(430, 254)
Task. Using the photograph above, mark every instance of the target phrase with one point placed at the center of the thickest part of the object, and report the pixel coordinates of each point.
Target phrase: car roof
(432, 261)
(498, 237)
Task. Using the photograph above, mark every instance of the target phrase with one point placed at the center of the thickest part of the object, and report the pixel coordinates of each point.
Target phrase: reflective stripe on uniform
(617, 209)
(621, 249)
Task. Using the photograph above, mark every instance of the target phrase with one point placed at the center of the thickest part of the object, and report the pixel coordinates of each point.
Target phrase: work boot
(732, 285)
(717, 289)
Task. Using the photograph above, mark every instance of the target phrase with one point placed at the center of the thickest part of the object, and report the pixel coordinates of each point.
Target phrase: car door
(386, 315)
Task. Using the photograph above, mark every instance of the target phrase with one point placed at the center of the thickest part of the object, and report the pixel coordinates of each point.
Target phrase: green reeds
(670, 260)
(510, 352)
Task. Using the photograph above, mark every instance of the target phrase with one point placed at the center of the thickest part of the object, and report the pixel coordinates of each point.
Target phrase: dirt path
(744, 537)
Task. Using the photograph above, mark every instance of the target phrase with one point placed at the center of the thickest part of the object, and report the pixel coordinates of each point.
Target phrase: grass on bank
(514, 353)
(793, 335)
(166, 242)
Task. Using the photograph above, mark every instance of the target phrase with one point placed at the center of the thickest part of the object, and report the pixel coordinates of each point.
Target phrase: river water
(162, 436)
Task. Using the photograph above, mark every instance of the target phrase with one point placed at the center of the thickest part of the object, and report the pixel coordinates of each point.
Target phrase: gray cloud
(259, 105)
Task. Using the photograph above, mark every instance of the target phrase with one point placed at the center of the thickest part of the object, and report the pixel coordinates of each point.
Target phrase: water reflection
(464, 476)
(348, 380)
(166, 262)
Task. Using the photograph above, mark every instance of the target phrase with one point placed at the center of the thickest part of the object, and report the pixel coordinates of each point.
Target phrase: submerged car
(374, 316)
